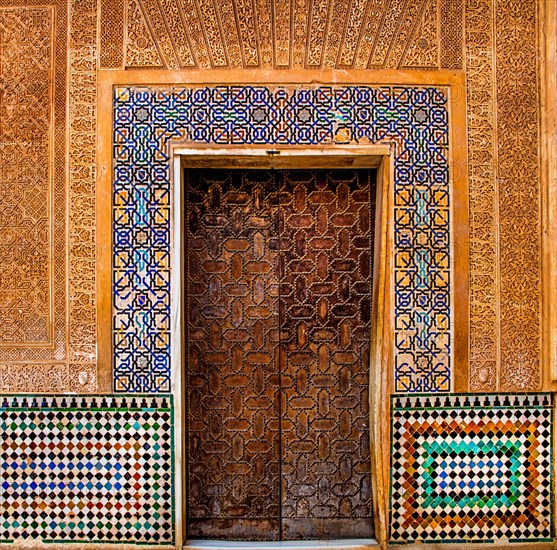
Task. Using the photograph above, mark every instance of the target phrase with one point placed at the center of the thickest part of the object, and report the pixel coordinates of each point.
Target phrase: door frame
(453, 82)
(378, 156)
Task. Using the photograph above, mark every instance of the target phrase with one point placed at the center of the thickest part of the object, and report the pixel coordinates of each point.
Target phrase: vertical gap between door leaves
(281, 354)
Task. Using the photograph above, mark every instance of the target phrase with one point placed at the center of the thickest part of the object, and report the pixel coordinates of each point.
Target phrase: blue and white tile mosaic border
(148, 120)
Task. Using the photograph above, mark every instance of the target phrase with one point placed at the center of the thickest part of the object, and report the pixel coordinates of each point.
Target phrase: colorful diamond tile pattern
(471, 468)
(413, 119)
(86, 469)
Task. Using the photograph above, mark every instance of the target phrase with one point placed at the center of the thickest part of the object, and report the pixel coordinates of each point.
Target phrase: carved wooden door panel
(325, 291)
(232, 375)
(278, 293)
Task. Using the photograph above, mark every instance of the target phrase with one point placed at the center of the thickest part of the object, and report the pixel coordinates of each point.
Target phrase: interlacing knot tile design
(413, 120)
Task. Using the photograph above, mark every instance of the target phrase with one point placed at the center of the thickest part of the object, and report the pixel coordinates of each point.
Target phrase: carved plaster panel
(519, 196)
(47, 225)
(81, 193)
(483, 189)
(505, 286)
(284, 34)
(31, 209)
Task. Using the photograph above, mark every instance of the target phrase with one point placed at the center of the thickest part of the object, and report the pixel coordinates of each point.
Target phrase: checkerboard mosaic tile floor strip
(86, 469)
(471, 468)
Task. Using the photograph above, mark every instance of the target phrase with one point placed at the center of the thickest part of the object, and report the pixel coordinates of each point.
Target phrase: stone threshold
(344, 544)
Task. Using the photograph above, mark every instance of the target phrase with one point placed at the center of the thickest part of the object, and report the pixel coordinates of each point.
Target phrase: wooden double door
(278, 300)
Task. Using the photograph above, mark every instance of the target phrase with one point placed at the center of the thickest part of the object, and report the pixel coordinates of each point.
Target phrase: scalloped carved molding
(207, 34)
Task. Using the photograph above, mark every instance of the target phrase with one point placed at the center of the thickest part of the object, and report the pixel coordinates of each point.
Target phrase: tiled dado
(471, 468)
(86, 469)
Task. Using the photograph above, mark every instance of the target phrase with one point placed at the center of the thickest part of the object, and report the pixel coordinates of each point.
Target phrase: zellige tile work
(413, 119)
(87, 469)
(471, 468)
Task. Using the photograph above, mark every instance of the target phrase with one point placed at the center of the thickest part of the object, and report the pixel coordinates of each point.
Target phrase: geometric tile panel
(414, 119)
(86, 469)
(471, 468)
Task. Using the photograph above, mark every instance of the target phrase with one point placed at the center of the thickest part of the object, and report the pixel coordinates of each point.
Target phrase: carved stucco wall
(47, 220)
(494, 41)
(505, 286)
(207, 34)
